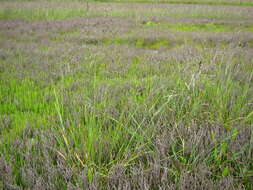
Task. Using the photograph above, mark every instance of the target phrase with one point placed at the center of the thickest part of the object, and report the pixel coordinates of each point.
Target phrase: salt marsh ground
(126, 95)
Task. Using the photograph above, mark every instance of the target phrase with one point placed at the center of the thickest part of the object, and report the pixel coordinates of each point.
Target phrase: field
(126, 95)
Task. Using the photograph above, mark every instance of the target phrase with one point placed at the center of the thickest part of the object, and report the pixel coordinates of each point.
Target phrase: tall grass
(110, 122)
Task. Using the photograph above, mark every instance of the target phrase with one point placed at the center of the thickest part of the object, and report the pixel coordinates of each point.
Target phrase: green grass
(46, 12)
(140, 43)
(42, 13)
(201, 27)
(23, 100)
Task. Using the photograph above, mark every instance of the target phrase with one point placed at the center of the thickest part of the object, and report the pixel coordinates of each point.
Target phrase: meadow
(126, 95)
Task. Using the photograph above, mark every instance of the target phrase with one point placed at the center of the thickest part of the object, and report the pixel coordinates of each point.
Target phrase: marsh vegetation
(126, 95)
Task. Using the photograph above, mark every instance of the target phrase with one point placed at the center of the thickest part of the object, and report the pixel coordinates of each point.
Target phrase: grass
(204, 2)
(124, 103)
(53, 11)
(42, 13)
(201, 27)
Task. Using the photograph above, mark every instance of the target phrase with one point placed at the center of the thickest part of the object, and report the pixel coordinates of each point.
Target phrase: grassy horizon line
(187, 2)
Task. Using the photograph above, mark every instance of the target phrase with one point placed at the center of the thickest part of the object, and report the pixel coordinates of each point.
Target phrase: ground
(120, 95)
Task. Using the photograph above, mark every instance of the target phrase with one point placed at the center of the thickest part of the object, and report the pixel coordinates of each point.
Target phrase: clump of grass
(184, 122)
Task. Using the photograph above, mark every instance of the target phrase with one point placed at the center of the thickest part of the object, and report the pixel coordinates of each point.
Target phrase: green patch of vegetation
(203, 2)
(2, 37)
(250, 28)
(23, 101)
(200, 27)
(25, 97)
(141, 43)
(42, 13)
(44, 48)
